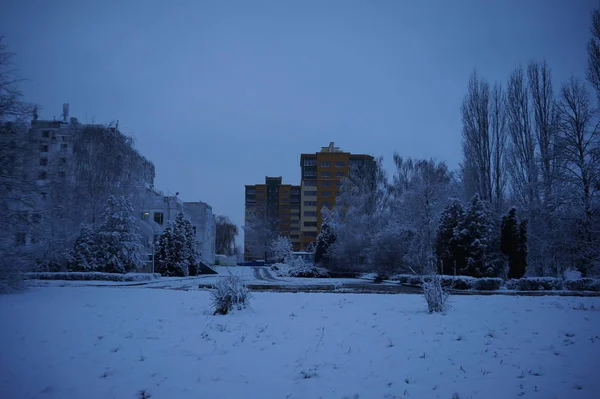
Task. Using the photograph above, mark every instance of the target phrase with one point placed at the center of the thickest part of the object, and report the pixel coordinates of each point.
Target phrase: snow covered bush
(280, 249)
(486, 284)
(308, 271)
(435, 295)
(583, 284)
(535, 284)
(230, 292)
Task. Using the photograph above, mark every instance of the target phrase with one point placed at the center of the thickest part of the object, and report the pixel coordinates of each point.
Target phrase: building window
(310, 234)
(310, 213)
(296, 191)
(159, 217)
(42, 176)
(310, 183)
(285, 199)
(43, 161)
(296, 236)
(327, 204)
(293, 200)
(339, 174)
(145, 215)
(310, 224)
(326, 194)
(36, 218)
(325, 184)
(338, 183)
(250, 191)
(340, 164)
(310, 162)
(62, 174)
(46, 133)
(20, 238)
(325, 174)
(310, 193)
(310, 173)
(310, 203)
(64, 146)
(44, 148)
(325, 164)
(295, 228)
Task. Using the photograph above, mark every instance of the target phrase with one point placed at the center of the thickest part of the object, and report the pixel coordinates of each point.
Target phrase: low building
(161, 210)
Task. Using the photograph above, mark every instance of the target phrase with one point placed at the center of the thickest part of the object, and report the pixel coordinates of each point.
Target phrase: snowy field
(105, 343)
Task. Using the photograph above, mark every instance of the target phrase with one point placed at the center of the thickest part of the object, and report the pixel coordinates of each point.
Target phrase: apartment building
(280, 203)
(321, 178)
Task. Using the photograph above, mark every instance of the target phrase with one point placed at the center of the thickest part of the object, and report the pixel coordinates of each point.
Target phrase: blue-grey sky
(219, 94)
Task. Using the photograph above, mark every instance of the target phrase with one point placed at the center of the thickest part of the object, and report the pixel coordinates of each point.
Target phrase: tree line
(524, 199)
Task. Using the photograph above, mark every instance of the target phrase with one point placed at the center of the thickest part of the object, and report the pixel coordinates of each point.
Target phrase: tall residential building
(280, 203)
(322, 174)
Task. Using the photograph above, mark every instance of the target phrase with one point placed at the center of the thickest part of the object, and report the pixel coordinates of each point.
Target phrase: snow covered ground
(90, 342)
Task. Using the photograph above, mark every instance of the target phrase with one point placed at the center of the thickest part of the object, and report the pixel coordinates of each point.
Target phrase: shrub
(435, 295)
(583, 284)
(487, 284)
(308, 271)
(230, 292)
(193, 269)
(458, 282)
(535, 284)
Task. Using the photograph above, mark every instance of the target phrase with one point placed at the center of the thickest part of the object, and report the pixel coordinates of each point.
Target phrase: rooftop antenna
(65, 111)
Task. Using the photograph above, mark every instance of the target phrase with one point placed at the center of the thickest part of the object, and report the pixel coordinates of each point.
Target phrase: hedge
(96, 276)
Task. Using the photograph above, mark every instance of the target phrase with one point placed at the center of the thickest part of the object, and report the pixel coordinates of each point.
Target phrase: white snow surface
(110, 342)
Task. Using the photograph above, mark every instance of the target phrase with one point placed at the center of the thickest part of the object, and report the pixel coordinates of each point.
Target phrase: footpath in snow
(90, 342)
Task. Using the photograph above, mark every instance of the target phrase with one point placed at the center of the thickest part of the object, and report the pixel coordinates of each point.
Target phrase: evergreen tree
(449, 253)
(176, 253)
(509, 241)
(162, 252)
(325, 238)
(83, 256)
(118, 241)
(475, 239)
(522, 250)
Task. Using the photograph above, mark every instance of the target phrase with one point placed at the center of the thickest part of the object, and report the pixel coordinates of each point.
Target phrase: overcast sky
(219, 94)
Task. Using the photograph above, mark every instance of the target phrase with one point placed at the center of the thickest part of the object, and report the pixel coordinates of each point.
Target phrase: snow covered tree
(475, 239)
(324, 241)
(83, 256)
(280, 249)
(261, 228)
(226, 231)
(449, 253)
(162, 253)
(176, 253)
(118, 241)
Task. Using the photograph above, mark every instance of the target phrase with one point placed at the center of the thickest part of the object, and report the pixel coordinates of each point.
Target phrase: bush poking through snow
(230, 292)
(435, 295)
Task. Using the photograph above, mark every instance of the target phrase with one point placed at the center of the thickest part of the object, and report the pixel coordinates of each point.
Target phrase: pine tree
(509, 242)
(177, 253)
(522, 250)
(83, 256)
(325, 239)
(475, 238)
(118, 242)
(447, 245)
(162, 252)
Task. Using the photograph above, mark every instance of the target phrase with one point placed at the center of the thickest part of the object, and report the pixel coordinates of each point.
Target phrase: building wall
(322, 174)
(282, 202)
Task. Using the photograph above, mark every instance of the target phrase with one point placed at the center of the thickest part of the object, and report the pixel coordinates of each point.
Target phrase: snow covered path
(111, 343)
